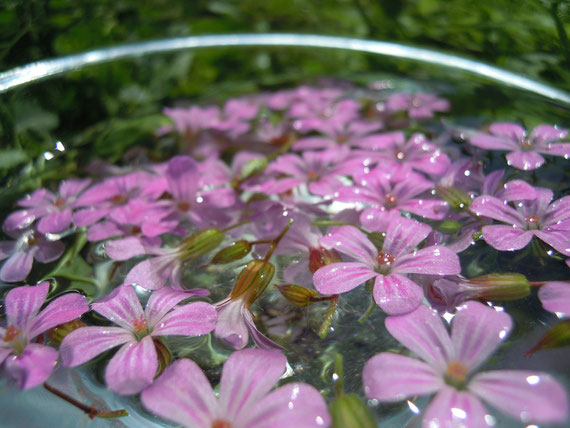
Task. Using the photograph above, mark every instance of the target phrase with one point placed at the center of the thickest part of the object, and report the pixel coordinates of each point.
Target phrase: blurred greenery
(110, 107)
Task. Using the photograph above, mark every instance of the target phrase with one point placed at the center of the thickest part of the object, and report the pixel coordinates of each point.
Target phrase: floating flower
(555, 297)
(419, 106)
(548, 221)
(135, 365)
(183, 395)
(524, 149)
(393, 291)
(448, 367)
(26, 362)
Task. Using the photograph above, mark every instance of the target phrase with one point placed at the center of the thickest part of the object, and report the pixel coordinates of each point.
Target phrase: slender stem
(76, 278)
(339, 371)
(92, 412)
(368, 312)
(275, 242)
(241, 223)
(329, 316)
(562, 37)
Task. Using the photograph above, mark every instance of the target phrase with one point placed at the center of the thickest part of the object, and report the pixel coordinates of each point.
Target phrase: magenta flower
(419, 106)
(393, 291)
(20, 254)
(539, 217)
(524, 149)
(448, 367)
(26, 362)
(555, 297)
(134, 366)
(183, 395)
(53, 211)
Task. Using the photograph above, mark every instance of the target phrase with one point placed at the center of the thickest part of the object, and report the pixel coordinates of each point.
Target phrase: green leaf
(11, 157)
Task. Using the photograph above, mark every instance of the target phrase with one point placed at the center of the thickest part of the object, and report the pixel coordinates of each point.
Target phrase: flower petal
(192, 319)
(86, 343)
(183, 395)
(122, 306)
(163, 300)
(392, 377)
(525, 395)
(18, 266)
(55, 222)
(507, 238)
(339, 278)
(247, 376)
(492, 207)
(292, 405)
(396, 294)
(24, 303)
(423, 333)
(63, 309)
(476, 332)
(555, 297)
(231, 326)
(403, 236)
(352, 242)
(455, 409)
(133, 367)
(557, 239)
(33, 367)
(525, 160)
(435, 260)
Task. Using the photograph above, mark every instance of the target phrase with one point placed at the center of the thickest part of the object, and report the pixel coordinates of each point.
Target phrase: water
(311, 358)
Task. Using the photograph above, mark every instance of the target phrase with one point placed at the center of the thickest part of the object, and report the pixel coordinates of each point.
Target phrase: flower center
(400, 155)
(341, 139)
(183, 206)
(532, 221)
(526, 145)
(11, 333)
(141, 328)
(221, 423)
(384, 261)
(119, 199)
(456, 374)
(312, 175)
(60, 203)
(416, 102)
(391, 200)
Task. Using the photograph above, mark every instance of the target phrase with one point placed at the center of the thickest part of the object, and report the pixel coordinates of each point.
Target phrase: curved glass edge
(43, 69)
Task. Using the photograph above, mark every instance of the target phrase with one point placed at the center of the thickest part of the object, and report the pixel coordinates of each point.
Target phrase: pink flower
(183, 395)
(448, 367)
(548, 221)
(135, 364)
(419, 106)
(27, 363)
(524, 149)
(393, 291)
(52, 211)
(555, 297)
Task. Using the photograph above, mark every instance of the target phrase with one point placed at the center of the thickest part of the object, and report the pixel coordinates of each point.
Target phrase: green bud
(163, 354)
(319, 257)
(201, 242)
(347, 411)
(57, 333)
(235, 251)
(457, 199)
(501, 286)
(557, 337)
(377, 239)
(253, 280)
(297, 295)
(449, 227)
(253, 167)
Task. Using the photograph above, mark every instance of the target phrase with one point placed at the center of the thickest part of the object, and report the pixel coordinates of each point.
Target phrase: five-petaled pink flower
(393, 291)
(26, 362)
(135, 365)
(448, 367)
(524, 149)
(183, 395)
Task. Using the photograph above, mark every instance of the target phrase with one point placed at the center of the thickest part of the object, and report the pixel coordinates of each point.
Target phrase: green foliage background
(108, 108)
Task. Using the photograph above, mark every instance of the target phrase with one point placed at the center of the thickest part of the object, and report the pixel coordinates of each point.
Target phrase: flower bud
(457, 199)
(557, 337)
(501, 286)
(297, 295)
(57, 333)
(235, 251)
(347, 411)
(201, 242)
(253, 280)
(253, 167)
(319, 257)
(163, 354)
(449, 227)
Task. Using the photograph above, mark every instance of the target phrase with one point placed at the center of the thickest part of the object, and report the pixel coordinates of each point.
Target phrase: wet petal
(86, 343)
(507, 238)
(525, 395)
(352, 242)
(404, 235)
(456, 409)
(231, 326)
(121, 306)
(392, 377)
(163, 300)
(55, 222)
(33, 367)
(63, 309)
(489, 206)
(339, 278)
(396, 294)
(24, 303)
(525, 160)
(192, 319)
(18, 266)
(477, 331)
(247, 376)
(133, 367)
(292, 405)
(557, 239)
(423, 333)
(555, 297)
(435, 260)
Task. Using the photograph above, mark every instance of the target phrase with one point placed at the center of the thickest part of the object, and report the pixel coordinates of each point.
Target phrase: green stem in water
(275, 242)
(92, 412)
(329, 316)
(368, 312)
(338, 376)
(72, 277)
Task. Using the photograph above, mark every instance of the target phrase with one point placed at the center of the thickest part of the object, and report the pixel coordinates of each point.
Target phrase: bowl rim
(40, 70)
